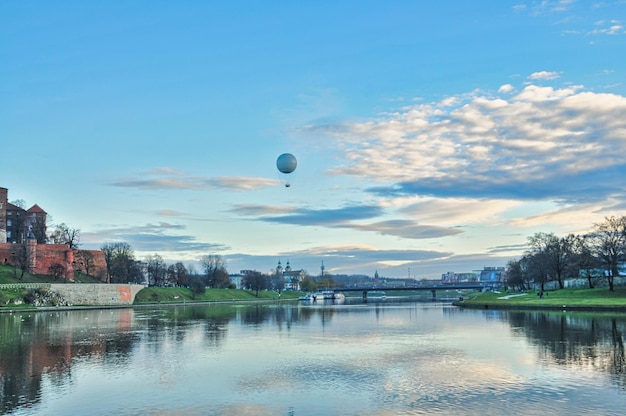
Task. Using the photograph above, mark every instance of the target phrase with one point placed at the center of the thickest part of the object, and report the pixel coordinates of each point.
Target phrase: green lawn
(8, 275)
(570, 298)
(181, 294)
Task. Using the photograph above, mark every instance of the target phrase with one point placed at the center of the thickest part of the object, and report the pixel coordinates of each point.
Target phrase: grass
(600, 298)
(151, 295)
(9, 275)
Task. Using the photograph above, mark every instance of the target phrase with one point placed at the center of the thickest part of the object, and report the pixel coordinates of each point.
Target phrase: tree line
(550, 258)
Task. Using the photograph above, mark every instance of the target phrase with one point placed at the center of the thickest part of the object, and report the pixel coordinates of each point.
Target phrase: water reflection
(571, 339)
(397, 356)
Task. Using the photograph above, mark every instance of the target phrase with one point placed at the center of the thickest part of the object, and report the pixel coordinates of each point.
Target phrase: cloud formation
(151, 238)
(543, 143)
(345, 258)
(170, 179)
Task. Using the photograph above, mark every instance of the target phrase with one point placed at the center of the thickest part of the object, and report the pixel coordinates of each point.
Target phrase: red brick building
(23, 244)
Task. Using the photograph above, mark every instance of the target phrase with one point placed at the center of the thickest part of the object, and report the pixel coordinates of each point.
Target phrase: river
(387, 358)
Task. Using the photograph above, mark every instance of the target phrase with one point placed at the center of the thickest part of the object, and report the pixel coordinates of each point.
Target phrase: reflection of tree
(617, 365)
(575, 339)
(34, 346)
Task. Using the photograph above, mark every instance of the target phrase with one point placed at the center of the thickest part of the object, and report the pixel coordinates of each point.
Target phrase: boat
(377, 294)
(322, 296)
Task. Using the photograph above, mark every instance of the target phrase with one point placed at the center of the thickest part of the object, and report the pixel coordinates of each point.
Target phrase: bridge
(422, 287)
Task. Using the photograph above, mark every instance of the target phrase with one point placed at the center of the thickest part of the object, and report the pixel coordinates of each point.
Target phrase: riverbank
(13, 298)
(600, 299)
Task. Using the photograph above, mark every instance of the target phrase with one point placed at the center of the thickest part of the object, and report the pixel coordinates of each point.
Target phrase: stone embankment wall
(97, 294)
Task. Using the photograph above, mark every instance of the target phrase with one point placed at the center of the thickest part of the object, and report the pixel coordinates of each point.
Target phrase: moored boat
(321, 296)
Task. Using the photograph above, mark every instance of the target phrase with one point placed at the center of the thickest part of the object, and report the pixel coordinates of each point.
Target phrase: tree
(214, 267)
(177, 275)
(84, 261)
(121, 264)
(254, 280)
(39, 228)
(586, 262)
(561, 257)
(550, 257)
(21, 258)
(608, 242)
(515, 274)
(307, 284)
(536, 268)
(156, 270)
(197, 286)
(57, 270)
(278, 281)
(63, 234)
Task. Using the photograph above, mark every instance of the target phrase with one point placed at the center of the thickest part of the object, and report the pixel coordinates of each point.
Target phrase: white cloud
(611, 28)
(170, 179)
(542, 143)
(544, 75)
(506, 88)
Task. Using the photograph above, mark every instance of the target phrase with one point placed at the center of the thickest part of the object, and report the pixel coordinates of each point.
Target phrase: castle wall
(42, 256)
(97, 294)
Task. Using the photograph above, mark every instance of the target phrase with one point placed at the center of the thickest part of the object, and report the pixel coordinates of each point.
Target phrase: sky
(431, 137)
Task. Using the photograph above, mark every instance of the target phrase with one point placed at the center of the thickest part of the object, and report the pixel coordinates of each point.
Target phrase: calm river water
(389, 358)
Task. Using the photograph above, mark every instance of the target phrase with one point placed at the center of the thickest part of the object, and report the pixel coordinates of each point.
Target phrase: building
(492, 274)
(16, 222)
(292, 277)
(23, 244)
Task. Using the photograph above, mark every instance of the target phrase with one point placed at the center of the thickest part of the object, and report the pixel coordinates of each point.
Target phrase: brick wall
(97, 294)
(47, 254)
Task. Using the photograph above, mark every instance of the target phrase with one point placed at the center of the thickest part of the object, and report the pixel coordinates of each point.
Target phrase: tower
(3, 214)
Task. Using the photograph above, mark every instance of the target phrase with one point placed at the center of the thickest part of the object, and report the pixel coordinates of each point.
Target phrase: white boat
(377, 294)
(322, 296)
(327, 295)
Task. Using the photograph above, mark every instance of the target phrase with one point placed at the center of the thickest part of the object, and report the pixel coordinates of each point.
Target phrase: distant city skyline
(429, 137)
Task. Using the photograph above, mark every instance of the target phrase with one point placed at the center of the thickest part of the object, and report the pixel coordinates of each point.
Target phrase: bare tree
(608, 241)
(586, 262)
(515, 274)
(256, 281)
(21, 258)
(40, 229)
(84, 261)
(121, 264)
(57, 270)
(177, 275)
(215, 270)
(156, 270)
(63, 234)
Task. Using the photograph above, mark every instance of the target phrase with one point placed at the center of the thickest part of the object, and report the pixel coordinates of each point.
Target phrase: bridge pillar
(434, 294)
(365, 295)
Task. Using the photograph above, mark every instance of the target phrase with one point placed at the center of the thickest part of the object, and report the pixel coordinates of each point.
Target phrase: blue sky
(430, 136)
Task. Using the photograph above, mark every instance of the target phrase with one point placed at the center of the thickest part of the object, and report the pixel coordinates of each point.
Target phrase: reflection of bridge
(432, 287)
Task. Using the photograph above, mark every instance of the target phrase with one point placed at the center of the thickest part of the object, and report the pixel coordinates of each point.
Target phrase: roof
(13, 207)
(36, 209)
